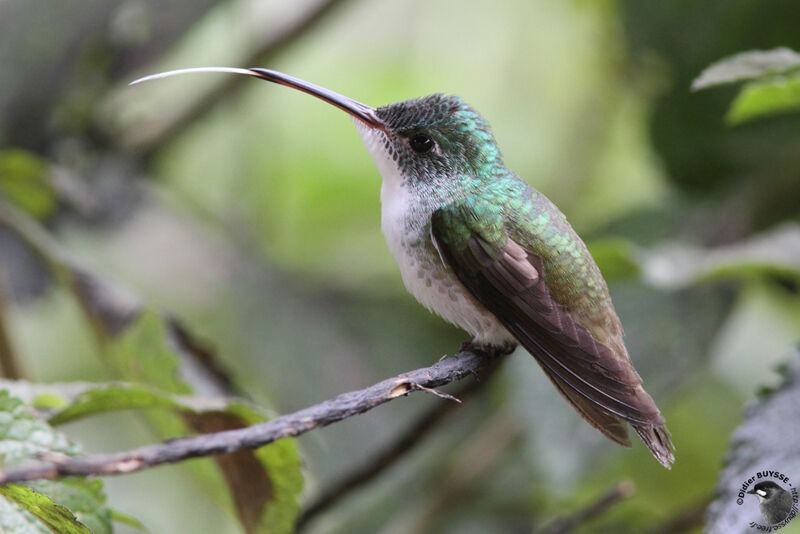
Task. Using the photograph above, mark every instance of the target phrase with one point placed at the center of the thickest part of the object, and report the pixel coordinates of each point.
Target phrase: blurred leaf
(35, 512)
(775, 254)
(747, 66)
(84, 498)
(102, 399)
(769, 97)
(48, 401)
(22, 436)
(69, 401)
(615, 257)
(774, 89)
(125, 519)
(765, 440)
(264, 484)
(143, 346)
(24, 182)
(141, 354)
(81, 503)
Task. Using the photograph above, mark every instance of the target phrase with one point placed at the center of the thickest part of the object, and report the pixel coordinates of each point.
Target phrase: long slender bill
(357, 109)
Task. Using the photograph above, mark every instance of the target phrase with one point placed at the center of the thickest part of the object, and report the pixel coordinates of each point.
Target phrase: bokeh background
(252, 213)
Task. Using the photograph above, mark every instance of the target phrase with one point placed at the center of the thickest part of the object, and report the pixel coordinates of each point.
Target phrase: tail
(657, 439)
(654, 434)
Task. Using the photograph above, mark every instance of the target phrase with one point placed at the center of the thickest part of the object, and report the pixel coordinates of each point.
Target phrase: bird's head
(432, 137)
(766, 490)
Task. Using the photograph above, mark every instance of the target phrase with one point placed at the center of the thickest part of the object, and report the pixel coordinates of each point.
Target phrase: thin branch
(10, 366)
(346, 405)
(269, 48)
(400, 446)
(566, 524)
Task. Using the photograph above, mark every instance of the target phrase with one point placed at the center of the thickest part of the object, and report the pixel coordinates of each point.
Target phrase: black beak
(361, 111)
(353, 107)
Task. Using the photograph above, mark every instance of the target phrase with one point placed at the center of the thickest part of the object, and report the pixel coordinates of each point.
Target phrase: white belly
(426, 277)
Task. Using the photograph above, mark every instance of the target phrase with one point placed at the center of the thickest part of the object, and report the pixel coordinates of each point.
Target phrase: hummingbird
(489, 253)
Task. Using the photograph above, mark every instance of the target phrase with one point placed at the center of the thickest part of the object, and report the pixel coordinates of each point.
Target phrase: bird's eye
(421, 144)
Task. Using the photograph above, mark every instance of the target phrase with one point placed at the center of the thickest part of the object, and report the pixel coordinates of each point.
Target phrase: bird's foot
(490, 351)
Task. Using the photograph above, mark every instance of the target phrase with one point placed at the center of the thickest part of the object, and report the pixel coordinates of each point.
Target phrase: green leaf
(69, 505)
(141, 346)
(747, 66)
(23, 437)
(283, 464)
(41, 511)
(48, 401)
(264, 485)
(111, 398)
(24, 182)
(767, 97)
(125, 519)
(141, 354)
(774, 82)
(84, 498)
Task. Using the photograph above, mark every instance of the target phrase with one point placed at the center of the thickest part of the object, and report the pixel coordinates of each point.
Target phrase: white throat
(395, 201)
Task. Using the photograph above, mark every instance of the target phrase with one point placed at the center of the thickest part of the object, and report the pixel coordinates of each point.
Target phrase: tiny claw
(470, 346)
(488, 350)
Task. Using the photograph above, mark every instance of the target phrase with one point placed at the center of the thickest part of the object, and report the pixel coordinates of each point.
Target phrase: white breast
(424, 274)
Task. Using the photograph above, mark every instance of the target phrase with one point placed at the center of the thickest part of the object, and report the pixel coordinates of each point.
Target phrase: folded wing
(509, 280)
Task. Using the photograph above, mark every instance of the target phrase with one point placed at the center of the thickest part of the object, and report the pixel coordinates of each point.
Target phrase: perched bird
(491, 254)
(774, 501)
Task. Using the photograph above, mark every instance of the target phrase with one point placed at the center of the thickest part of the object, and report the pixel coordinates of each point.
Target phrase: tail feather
(655, 436)
(657, 439)
(611, 426)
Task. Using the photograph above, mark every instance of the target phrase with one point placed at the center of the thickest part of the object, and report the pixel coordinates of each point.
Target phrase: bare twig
(252, 437)
(566, 524)
(400, 446)
(9, 361)
(270, 47)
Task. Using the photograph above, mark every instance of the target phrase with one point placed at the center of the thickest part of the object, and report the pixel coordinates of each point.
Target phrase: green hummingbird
(489, 253)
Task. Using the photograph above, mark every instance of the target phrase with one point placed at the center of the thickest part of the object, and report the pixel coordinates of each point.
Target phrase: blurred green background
(252, 212)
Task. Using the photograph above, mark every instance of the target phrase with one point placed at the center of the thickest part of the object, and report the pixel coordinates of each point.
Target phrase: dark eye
(421, 144)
